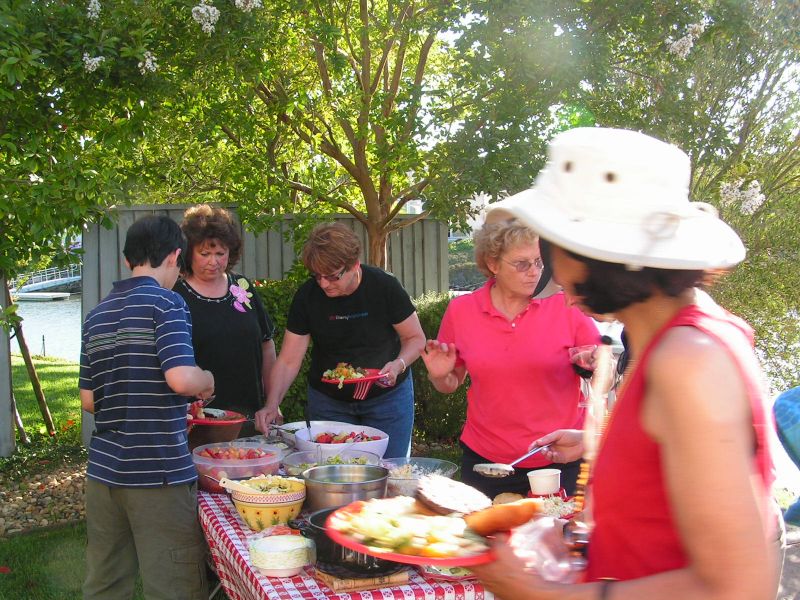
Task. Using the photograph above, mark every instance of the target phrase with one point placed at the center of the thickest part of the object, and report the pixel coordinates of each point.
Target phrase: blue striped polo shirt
(137, 333)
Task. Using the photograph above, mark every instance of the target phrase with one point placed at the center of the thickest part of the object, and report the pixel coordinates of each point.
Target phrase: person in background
(137, 373)
(680, 491)
(787, 418)
(231, 331)
(515, 349)
(356, 314)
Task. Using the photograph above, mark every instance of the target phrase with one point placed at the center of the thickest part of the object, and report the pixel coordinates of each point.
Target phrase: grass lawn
(59, 381)
(46, 565)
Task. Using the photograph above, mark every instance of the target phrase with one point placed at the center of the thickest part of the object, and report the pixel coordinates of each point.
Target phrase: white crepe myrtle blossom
(148, 64)
(93, 10)
(749, 199)
(91, 63)
(206, 15)
(247, 5)
(683, 46)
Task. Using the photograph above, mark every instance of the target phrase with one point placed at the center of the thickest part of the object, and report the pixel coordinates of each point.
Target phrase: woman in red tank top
(680, 490)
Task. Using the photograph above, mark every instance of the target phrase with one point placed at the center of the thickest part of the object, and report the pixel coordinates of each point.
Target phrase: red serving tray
(372, 375)
(229, 418)
(408, 559)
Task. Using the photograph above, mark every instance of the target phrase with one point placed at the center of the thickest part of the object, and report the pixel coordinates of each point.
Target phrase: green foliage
(464, 273)
(439, 417)
(276, 296)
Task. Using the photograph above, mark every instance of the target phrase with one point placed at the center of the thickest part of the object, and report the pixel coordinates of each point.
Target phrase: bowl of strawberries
(240, 459)
(328, 438)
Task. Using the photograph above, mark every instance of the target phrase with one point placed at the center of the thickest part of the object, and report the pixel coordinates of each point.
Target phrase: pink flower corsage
(241, 297)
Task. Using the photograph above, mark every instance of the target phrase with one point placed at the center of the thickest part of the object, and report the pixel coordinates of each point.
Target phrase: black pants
(515, 483)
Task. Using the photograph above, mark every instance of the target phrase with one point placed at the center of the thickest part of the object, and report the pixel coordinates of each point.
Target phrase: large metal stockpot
(331, 486)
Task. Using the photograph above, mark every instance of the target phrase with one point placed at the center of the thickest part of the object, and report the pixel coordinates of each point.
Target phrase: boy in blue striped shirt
(137, 374)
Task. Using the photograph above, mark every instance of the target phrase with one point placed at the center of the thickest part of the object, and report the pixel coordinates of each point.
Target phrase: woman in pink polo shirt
(515, 349)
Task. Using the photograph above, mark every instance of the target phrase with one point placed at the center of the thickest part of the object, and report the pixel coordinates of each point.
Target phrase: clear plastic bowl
(404, 473)
(295, 463)
(235, 468)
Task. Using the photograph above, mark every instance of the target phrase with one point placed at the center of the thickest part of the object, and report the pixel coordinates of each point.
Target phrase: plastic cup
(544, 482)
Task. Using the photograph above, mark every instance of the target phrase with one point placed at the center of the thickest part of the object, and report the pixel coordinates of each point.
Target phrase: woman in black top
(231, 331)
(356, 314)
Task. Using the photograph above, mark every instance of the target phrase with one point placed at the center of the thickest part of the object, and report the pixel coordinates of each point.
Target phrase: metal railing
(50, 274)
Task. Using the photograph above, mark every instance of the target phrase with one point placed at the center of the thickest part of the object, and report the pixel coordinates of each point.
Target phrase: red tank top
(634, 534)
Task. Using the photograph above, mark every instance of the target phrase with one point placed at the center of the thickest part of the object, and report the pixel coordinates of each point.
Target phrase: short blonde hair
(494, 239)
(330, 247)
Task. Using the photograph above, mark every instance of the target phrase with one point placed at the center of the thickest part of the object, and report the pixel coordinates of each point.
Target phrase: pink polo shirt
(522, 383)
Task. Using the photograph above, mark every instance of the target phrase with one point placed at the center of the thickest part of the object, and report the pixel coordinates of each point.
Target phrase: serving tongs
(502, 469)
(231, 485)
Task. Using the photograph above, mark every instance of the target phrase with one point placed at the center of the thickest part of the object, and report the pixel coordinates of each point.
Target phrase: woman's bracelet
(400, 358)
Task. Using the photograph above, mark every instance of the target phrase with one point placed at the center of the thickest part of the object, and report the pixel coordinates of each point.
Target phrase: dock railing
(50, 274)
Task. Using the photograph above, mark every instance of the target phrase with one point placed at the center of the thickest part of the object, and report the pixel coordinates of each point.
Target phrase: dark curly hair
(202, 223)
(610, 287)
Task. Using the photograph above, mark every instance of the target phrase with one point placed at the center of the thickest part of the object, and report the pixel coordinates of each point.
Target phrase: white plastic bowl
(287, 431)
(302, 441)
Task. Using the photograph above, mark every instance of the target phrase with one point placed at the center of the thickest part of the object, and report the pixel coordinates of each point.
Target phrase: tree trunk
(377, 247)
(37, 386)
(23, 437)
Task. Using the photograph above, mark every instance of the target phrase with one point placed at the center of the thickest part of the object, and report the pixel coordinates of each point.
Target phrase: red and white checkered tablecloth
(227, 535)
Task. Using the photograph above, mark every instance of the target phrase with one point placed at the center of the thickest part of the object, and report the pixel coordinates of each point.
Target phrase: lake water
(52, 328)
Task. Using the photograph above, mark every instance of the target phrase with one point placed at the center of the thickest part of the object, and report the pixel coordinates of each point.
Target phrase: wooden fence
(417, 254)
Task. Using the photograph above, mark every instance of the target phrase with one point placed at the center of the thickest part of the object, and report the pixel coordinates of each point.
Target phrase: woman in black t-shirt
(231, 331)
(356, 314)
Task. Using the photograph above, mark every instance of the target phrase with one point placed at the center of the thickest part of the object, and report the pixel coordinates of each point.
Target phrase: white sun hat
(621, 196)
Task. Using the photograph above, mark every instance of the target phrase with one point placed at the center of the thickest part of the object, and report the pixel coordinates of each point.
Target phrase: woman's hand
(265, 417)
(565, 445)
(439, 358)
(391, 371)
(506, 576)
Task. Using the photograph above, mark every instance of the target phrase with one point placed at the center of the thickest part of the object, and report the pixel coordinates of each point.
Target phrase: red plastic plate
(229, 417)
(372, 375)
(408, 559)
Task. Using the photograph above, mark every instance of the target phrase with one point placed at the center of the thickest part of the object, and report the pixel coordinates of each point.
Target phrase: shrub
(439, 417)
(276, 295)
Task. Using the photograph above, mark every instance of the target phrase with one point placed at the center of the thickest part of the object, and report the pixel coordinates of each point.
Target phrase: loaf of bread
(503, 517)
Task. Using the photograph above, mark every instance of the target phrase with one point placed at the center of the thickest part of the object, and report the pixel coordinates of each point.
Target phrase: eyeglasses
(523, 266)
(330, 278)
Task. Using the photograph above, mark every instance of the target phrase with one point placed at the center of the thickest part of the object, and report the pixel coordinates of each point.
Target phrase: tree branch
(233, 137)
(404, 197)
(400, 224)
(344, 205)
(423, 59)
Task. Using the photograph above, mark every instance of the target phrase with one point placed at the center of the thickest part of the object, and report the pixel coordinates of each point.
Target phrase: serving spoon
(502, 469)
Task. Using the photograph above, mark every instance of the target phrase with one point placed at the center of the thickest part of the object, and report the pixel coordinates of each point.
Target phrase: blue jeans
(392, 412)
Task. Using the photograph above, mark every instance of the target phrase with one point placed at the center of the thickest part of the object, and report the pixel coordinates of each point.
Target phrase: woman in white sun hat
(680, 490)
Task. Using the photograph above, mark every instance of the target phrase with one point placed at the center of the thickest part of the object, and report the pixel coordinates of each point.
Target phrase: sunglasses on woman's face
(330, 278)
(523, 266)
